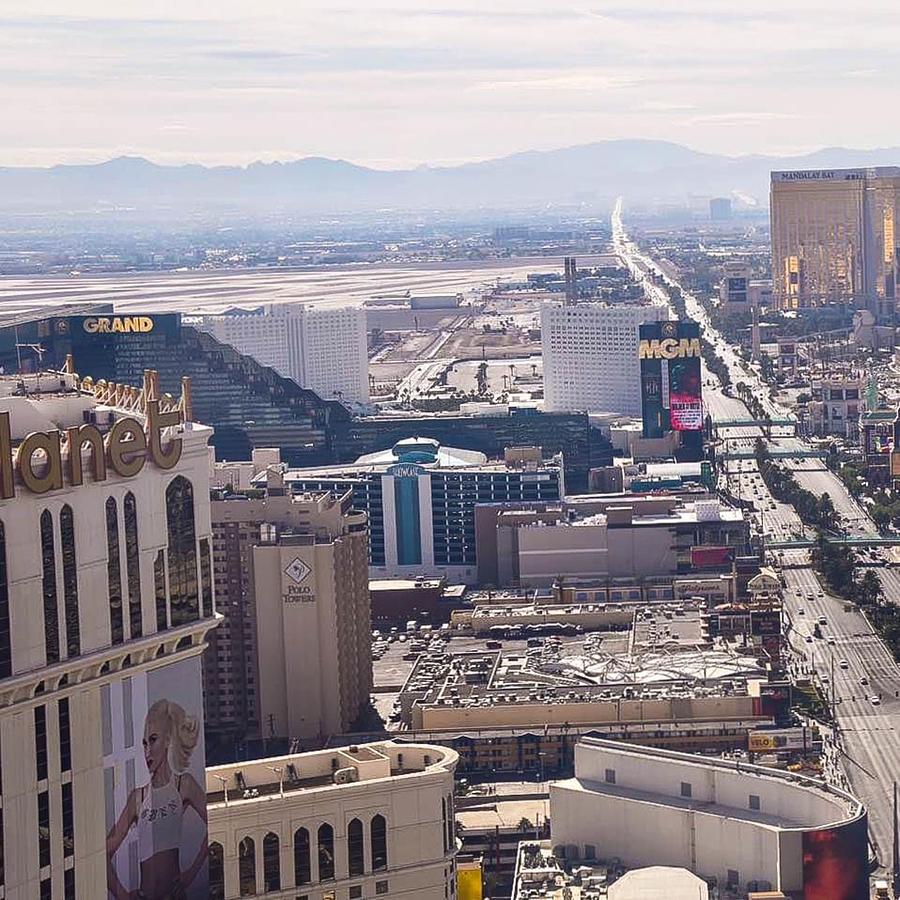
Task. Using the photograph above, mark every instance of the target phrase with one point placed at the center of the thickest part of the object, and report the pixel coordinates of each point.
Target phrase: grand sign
(117, 324)
(125, 449)
(669, 348)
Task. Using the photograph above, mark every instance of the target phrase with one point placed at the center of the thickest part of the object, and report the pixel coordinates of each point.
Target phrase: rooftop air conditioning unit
(347, 775)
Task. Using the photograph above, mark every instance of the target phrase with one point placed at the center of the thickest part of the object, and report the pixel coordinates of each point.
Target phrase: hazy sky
(401, 82)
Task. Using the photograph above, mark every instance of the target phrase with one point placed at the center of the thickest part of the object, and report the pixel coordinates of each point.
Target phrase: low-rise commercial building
(356, 822)
(835, 406)
(599, 537)
(539, 873)
(648, 666)
(747, 827)
(396, 601)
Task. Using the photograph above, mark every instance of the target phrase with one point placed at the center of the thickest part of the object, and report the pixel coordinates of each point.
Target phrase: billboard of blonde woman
(156, 842)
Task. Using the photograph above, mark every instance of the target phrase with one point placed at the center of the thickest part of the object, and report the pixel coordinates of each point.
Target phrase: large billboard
(765, 741)
(835, 862)
(154, 784)
(671, 383)
(705, 557)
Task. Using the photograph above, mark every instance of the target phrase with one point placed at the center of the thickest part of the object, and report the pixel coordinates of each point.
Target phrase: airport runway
(337, 286)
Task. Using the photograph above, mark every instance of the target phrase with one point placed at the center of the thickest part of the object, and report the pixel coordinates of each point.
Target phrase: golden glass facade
(833, 238)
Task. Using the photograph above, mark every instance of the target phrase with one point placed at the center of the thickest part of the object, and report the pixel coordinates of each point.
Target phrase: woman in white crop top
(158, 809)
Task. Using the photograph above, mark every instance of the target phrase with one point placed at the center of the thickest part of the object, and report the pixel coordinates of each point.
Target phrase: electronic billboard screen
(671, 379)
(835, 862)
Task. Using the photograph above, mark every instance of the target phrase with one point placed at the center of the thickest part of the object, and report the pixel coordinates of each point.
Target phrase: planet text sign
(125, 448)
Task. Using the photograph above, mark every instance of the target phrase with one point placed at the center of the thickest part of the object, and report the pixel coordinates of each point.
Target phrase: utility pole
(895, 881)
(833, 707)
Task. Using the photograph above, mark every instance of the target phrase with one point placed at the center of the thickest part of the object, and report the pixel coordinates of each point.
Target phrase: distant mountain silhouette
(592, 174)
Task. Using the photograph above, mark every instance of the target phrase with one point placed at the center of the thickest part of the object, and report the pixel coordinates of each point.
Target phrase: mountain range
(590, 175)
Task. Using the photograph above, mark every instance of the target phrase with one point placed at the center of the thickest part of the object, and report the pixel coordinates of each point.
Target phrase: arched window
(114, 573)
(451, 823)
(5, 641)
(302, 868)
(184, 600)
(247, 867)
(378, 833)
(271, 863)
(216, 872)
(133, 567)
(356, 847)
(326, 852)
(48, 584)
(206, 579)
(159, 585)
(70, 580)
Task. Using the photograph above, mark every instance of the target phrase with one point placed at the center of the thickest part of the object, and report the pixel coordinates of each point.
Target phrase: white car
(844, 664)
(875, 701)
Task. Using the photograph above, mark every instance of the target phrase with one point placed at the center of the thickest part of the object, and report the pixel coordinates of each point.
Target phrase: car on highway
(801, 611)
(822, 620)
(844, 664)
(875, 701)
(864, 680)
(831, 640)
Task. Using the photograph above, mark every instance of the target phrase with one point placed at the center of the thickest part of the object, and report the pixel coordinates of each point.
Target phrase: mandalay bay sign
(38, 460)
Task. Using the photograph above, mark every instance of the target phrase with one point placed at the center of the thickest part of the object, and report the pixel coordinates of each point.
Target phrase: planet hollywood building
(105, 600)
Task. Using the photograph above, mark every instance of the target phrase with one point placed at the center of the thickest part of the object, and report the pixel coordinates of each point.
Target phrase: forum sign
(42, 465)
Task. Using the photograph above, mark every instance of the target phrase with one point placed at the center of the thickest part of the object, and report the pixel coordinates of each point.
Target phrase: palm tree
(870, 591)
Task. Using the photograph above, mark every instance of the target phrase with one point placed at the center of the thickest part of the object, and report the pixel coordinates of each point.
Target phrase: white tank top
(159, 821)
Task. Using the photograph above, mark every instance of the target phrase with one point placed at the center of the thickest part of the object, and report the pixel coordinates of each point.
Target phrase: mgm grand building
(251, 406)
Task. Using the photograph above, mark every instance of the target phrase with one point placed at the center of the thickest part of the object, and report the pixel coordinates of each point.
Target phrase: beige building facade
(293, 657)
(345, 824)
(738, 823)
(106, 598)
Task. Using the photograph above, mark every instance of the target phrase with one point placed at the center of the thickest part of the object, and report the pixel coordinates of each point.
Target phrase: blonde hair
(183, 731)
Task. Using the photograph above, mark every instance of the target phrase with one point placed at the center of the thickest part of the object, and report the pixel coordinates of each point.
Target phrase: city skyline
(405, 84)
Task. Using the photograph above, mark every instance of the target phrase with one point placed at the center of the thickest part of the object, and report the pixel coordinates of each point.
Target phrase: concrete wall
(539, 714)
(642, 551)
(643, 818)
(546, 551)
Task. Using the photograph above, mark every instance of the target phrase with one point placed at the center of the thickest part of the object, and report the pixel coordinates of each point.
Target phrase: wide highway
(850, 662)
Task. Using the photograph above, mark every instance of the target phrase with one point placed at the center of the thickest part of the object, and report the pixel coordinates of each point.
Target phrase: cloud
(425, 80)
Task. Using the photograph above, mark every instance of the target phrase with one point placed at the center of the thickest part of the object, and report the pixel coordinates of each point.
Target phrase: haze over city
(402, 83)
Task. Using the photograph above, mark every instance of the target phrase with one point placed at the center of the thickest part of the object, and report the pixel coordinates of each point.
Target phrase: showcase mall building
(747, 827)
(105, 600)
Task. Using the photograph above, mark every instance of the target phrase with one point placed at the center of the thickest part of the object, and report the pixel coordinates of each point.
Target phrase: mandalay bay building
(835, 238)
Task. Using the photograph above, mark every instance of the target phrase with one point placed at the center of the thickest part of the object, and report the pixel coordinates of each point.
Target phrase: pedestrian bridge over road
(875, 540)
(754, 423)
(774, 453)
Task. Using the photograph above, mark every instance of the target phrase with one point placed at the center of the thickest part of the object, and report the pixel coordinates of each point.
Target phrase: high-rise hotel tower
(835, 238)
(106, 596)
